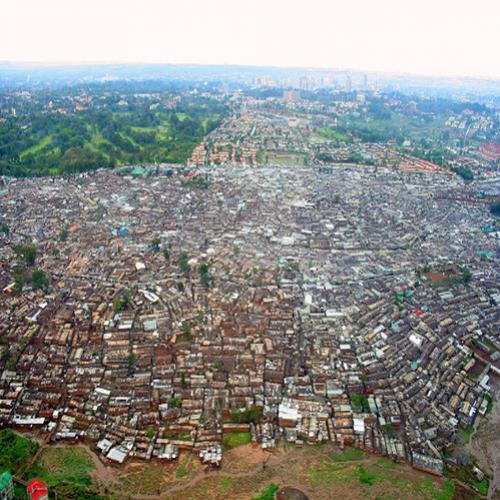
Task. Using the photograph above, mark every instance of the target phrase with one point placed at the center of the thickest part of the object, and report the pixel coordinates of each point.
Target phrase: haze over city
(428, 37)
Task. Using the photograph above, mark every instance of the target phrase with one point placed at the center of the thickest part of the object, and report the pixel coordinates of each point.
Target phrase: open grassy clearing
(248, 472)
(66, 470)
(234, 439)
(155, 478)
(321, 472)
(330, 133)
(15, 451)
(285, 158)
(46, 141)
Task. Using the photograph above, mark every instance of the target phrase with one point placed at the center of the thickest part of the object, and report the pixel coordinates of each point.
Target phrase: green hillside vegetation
(66, 470)
(334, 134)
(15, 451)
(44, 143)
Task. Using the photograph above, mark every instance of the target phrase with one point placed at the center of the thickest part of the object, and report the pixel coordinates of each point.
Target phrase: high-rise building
(348, 84)
(291, 96)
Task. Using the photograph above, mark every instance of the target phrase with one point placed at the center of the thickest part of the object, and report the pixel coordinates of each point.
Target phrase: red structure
(37, 490)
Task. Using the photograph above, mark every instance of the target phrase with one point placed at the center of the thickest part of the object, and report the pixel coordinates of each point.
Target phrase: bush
(269, 493)
(175, 402)
(181, 471)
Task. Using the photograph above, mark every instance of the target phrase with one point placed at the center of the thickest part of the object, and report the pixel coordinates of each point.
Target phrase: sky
(427, 37)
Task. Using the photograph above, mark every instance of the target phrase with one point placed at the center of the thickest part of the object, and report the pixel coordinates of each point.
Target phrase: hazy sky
(433, 37)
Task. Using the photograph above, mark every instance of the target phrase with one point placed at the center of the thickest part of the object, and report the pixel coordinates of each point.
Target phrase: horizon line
(63, 64)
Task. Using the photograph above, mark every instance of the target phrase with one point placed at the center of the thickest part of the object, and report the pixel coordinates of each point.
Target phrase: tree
(131, 360)
(495, 209)
(187, 334)
(166, 254)
(20, 278)
(464, 172)
(219, 366)
(81, 159)
(4, 228)
(26, 252)
(63, 235)
(39, 280)
(389, 429)
(155, 243)
(205, 277)
(360, 401)
(122, 301)
(175, 402)
(466, 275)
(246, 415)
(184, 263)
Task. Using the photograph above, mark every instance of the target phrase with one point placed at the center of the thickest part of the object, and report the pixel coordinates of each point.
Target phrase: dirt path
(485, 444)
(275, 460)
(105, 474)
(271, 460)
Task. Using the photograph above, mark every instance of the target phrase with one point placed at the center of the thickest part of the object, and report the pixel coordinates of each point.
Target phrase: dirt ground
(485, 443)
(248, 470)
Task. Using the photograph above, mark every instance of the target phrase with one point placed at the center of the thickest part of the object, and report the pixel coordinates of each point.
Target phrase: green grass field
(46, 141)
(334, 134)
(234, 439)
(15, 451)
(65, 469)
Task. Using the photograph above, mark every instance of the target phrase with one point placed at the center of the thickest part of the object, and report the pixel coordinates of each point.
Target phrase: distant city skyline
(430, 38)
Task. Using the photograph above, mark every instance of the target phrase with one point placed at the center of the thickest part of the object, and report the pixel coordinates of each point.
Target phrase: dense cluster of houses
(280, 131)
(283, 302)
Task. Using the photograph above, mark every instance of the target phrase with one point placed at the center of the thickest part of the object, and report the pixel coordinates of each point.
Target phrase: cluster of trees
(205, 277)
(465, 172)
(16, 450)
(197, 182)
(184, 263)
(122, 301)
(42, 143)
(246, 415)
(24, 273)
(76, 160)
(360, 401)
(495, 209)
